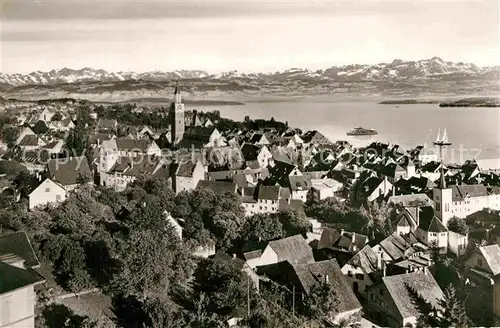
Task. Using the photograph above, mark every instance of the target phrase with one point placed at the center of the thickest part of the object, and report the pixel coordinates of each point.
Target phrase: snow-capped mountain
(435, 68)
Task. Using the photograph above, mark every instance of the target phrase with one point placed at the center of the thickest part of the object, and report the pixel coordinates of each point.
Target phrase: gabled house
(259, 139)
(187, 175)
(261, 154)
(325, 188)
(133, 147)
(294, 249)
(48, 192)
(263, 199)
(70, 172)
(46, 115)
(343, 244)
(303, 277)
(484, 263)
(30, 142)
(128, 169)
(24, 132)
(199, 137)
(373, 188)
(106, 125)
(18, 280)
(314, 138)
(391, 302)
(217, 187)
(363, 269)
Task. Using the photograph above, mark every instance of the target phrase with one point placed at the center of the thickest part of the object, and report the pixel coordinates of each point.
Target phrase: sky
(248, 36)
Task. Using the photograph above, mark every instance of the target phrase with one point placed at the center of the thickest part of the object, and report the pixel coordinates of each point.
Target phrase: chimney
(234, 256)
(327, 279)
(384, 269)
(379, 260)
(426, 271)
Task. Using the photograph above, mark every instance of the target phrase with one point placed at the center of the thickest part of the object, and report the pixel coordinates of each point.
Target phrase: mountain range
(399, 77)
(397, 69)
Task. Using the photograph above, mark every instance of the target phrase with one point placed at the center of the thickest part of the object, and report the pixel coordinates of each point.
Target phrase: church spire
(442, 182)
(177, 93)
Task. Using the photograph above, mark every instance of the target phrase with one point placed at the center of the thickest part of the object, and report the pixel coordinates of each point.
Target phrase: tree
(12, 169)
(224, 281)
(458, 225)
(300, 160)
(76, 142)
(376, 220)
(58, 315)
(262, 227)
(293, 222)
(453, 312)
(9, 135)
(321, 302)
(427, 313)
(40, 127)
(57, 117)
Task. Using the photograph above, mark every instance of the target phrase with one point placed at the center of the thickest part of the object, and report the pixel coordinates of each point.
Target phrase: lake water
(474, 130)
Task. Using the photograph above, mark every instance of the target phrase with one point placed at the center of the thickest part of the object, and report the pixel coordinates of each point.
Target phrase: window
(437, 197)
(438, 207)
(58, 198)
(349, 273)
(6, 306)
(360, 276)
(47, 189)
(260, 208)
(480, 262)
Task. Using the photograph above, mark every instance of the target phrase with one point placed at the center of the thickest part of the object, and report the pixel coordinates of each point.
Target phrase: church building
(176, 115)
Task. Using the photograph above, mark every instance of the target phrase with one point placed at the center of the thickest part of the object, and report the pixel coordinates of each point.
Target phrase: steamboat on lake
(359, 131)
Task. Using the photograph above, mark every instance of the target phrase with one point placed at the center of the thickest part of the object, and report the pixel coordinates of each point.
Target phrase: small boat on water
(359, 131)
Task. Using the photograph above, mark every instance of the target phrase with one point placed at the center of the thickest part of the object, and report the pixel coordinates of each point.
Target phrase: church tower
(176, 117)
(442, 197)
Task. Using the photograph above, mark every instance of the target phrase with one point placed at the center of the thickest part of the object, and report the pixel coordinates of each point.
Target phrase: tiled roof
(252, 255)
(250, 152)
(268, 192)
(422, 282)
(411, 200)
(40, 156)
(67, 171)
(29, 140)
(186, 168)
(365, 259)
(12, 278)
(135, 145)
(218, 187)
(429, 222)
(463, 191)
(106, 124)
(299, 182)
(136, 166)
(311, 274)
(329, 236)
(17, 243)
(491, 254)
(293, 204)
(294, 249)
(396, 245)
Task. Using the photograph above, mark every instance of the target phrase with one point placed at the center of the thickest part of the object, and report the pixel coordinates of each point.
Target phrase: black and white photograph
(249, 164)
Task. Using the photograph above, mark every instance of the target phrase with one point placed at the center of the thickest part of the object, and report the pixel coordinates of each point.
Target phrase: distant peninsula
(189, 102)
(473, 102)
(408, 102)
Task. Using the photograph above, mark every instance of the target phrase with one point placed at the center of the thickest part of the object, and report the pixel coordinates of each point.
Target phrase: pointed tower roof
(442, 182)
(177, 90)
